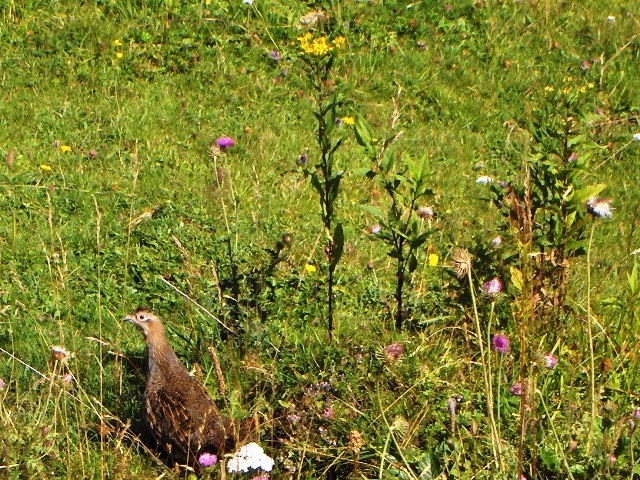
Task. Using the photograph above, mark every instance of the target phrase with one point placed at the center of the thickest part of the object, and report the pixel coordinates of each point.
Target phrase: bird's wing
(169, 417)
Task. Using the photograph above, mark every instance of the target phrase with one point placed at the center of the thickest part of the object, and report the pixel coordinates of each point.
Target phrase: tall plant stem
(495, 439)
(592, 362)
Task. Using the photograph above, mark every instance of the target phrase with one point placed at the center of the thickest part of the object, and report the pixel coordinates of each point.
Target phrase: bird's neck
(161, 355)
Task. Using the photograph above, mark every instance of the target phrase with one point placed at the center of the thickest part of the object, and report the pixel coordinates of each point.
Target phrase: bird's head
(146, 321)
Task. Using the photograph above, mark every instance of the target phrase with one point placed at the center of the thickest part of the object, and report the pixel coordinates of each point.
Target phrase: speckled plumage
(182, 417)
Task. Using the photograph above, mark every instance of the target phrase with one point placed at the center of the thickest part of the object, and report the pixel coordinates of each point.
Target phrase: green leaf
(516, 278)
(364, 172)
(364, 132)
(375, 211)
(338, 245)
(585, 193)
(413, 263)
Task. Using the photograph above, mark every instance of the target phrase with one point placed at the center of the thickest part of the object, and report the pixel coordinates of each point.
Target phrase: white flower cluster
(250, 456)
(484, 179)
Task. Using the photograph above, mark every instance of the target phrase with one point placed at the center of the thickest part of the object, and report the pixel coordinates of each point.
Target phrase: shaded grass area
(149, 86)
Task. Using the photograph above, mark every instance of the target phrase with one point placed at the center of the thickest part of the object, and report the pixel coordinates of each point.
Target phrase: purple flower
(2, 384)
(550, 361)
(302, 159)
(207, 459)
(93, 154)
(585, 65)
(375, 229)
(225, 142)
(496, 241)
(492, 288)
(275, 55)
(293, 418)
(328, 413)
(500, 343)
(261, 477)
(637, 414)
(394, 351)
(516, 389)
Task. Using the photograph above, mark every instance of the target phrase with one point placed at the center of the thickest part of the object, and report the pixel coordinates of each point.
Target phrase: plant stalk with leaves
(319, 55)
(405, 182)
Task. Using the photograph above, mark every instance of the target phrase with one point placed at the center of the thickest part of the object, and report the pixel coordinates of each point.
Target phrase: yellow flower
(65, 148)
(45, 168)
(583, 89)
(117, 43)
(433, 260)
(590, 85)
(339, 42)
(310, 268)
(348, 120)
(549, 88)
(118, 54)
(314, 46)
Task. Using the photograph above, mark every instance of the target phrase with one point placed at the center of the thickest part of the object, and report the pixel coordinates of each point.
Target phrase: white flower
(611, 19)
(496, 241)
(600, 207)
(636, 137)
(484, 179)
(247, 2)
(250, 456)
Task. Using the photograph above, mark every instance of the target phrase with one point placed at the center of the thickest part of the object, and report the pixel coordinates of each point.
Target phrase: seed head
(461, 262)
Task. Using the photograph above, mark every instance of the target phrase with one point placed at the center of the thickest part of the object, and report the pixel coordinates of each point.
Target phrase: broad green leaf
(338, 245)
(516, 278)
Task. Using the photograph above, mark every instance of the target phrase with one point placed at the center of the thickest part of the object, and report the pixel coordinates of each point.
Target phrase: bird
(181, 416)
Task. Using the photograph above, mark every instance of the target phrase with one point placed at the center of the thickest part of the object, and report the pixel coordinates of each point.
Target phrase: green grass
(83, 240)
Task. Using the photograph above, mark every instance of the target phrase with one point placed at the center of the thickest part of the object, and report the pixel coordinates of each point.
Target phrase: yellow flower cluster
(319, 46)
(349, 120)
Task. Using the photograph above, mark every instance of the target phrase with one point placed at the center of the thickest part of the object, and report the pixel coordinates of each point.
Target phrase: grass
(84, 240)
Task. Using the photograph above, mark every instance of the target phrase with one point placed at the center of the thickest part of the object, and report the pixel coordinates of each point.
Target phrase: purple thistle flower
(328, 413)
(550, 361)
(275, 55)
(585, 65)
(92, 154)
(500, 343)
(516, 389)
(394, 351)
(2, 384)
(225, 142)
(637, 414)
(492, 288)
(207, 459)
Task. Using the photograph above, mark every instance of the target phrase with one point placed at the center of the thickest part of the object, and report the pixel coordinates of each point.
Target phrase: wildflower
(516, 389)
(613, 458)
(585, 65)
(247, 2)
(549, 89)
(328, 413)
(207, 459)
(484, 179)
(45, 168)
(394, 351)
(119, 55)
(425, 213)
(65, 148)
(225, 142)
(2, 384)
(421, 44)
(636, 137)
(582, 89)
(637, 414)
(338, 122)
(293, 418)
(349, 120)
(67, 378)
(550, 361)
(355, 441)
(314, 46)
(59, 354)
(302, 159)
(92, 154)
(339, 42)
(500, 344)
(432, 259)
(573, 157)
(492, 288)
(250, 456)
(370, 265)
(600, 207)
(260, 477)
(117, 43)
(461, 262)
(375, 229)
(310, 268)
(275, 55)
(496, 241)
(611, 19)
(56, 144)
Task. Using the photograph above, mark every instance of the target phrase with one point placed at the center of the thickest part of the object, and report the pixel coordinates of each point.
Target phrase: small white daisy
(636, 137)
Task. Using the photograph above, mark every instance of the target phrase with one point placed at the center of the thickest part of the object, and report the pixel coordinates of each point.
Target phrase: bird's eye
(141, 317)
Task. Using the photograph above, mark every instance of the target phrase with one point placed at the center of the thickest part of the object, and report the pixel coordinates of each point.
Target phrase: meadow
(405, 232)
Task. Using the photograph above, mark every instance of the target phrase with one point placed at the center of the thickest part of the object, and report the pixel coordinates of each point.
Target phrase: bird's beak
(128, 319)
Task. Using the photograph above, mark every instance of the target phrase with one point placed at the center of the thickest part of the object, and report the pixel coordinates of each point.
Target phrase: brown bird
(182, 417)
